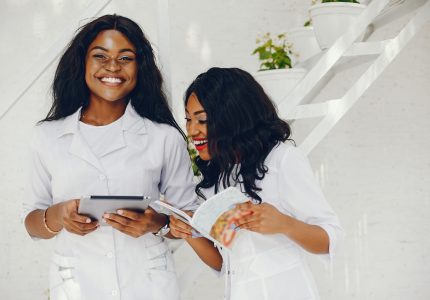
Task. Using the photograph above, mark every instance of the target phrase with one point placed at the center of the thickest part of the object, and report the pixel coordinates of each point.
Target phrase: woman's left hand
(263, 218)
(135, 224)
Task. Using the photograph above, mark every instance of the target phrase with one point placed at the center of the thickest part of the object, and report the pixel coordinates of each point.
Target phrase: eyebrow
(104, 49)
(196, 112)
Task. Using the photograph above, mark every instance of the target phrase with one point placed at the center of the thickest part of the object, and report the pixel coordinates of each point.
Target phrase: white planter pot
(304, 43)
(331, 20)
(278, 83)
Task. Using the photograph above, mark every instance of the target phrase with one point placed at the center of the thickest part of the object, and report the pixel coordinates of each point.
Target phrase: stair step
(366, 48)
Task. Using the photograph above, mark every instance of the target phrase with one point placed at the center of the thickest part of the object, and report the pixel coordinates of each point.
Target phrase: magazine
(214, 218)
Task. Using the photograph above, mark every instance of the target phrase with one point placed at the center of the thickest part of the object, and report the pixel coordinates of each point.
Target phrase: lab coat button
(109, 254)
(114, 292)
(102, 177)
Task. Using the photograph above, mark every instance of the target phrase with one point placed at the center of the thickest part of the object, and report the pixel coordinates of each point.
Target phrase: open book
(215, 218)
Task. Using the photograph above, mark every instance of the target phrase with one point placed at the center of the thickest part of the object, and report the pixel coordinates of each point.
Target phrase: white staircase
(342, 55)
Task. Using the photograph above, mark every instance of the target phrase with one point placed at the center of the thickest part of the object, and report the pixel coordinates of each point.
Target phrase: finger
(244, 206)
(83, 227)
(181, 230)
(253, 225)
(76, 229)
(174, 222)
(180, 234)
(133, 215)
(119, 219)
(79, 218)
(123, 228)
(246, 219)
(189, 212)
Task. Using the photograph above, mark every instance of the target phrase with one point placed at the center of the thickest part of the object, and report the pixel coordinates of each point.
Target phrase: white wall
(374, 166)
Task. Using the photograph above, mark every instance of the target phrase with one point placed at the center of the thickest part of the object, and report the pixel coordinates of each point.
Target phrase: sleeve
(305, 200)
(176, 176)
(38, 188)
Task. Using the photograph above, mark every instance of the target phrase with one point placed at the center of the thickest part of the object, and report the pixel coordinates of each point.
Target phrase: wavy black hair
(242, 128)
(70, 90)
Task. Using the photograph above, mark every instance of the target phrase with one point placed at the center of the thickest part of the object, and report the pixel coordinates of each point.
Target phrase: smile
(111, 81)
(200, 144)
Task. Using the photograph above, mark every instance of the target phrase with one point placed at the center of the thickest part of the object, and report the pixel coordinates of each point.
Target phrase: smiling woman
(109, 132)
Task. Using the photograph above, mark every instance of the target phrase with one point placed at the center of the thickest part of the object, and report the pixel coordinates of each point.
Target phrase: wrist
(162, 227)
(50, 220)
(287, 225)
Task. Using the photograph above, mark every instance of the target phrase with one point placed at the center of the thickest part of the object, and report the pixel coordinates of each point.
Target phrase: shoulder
(285, 152)
(45, 131)
(164, 131)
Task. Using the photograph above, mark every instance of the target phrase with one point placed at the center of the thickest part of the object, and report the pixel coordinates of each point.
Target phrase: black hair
(242, 128)
(70, 90)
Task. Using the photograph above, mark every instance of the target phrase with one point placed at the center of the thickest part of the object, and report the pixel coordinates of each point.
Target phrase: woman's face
(110, 67)
(197, 126)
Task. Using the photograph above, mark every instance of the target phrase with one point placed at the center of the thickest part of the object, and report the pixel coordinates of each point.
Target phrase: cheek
(90, 70)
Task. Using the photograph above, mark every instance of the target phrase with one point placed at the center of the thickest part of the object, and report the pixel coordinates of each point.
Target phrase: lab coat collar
(132, 122)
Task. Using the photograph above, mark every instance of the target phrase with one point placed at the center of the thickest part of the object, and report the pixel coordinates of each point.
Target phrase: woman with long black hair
(109, 132)
(242, 142)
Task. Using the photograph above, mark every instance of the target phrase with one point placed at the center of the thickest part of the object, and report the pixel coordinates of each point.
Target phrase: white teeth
(201, 142)
(111, 79)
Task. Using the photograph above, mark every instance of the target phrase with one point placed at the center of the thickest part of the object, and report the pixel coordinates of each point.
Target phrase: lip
(200, 147)
(112, 81)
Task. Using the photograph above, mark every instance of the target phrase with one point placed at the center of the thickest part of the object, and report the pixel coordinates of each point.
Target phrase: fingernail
(88, 220)
(120, 212)
(106, 216)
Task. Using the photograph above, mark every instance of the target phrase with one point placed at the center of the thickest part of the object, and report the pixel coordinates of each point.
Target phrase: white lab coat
(271, 266)
(145, 158)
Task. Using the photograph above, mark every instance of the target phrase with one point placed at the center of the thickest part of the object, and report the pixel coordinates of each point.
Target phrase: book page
(181, 215)
(217, 215)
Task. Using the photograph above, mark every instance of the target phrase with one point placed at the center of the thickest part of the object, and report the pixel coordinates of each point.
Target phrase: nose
(192, 129)
(112, 65)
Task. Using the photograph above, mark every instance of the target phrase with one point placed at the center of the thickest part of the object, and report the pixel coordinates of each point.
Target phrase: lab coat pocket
(62, 281)
(282, 275)
(162, 272)
(275, 261)
(156, 256)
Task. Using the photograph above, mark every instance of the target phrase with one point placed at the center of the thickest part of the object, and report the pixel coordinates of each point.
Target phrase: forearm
(310, 237)
(207, 252)
(35, 226)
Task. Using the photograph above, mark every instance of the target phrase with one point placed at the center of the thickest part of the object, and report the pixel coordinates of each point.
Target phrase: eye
(99, 56)
(187, 119)
(126, 58)
(203, 122)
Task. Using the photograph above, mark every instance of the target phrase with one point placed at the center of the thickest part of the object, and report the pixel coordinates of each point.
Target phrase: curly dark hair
(70, 90)
(242, 128)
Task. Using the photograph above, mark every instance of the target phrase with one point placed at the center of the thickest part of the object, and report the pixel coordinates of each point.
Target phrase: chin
(204, 156)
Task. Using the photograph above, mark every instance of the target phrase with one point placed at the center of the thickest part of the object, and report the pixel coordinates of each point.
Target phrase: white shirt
(98, 138)
(271, 266)
(144, 158)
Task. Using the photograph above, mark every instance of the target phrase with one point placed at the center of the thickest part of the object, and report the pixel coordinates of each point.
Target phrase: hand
(263, 218)
(179, 228)
(74, 222)
(136, 224)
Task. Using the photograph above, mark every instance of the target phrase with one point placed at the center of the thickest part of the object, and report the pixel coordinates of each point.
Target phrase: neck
(100, 113)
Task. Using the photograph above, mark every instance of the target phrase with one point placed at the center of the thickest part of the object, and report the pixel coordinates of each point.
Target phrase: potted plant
(192, 152)
(275, 74)
(304, 41)
(331, 18)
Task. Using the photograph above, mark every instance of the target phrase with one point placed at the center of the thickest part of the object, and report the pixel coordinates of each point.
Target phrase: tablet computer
(96, 206)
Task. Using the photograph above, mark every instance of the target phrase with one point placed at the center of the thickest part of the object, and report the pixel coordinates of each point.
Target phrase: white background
(374, 166)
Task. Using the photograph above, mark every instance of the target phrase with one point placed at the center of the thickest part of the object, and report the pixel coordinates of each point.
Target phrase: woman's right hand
(179, 228)
(74, 222)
